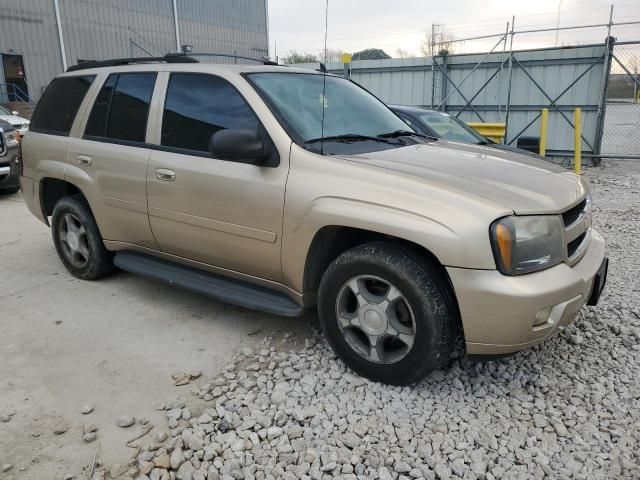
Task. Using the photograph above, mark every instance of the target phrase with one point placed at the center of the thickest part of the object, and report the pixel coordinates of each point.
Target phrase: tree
(402, 53)
(333, 55)
(295, 57)
(438, 41)
(371, 54)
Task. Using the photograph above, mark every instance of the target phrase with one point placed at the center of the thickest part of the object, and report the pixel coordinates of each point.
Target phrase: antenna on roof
(323, 69)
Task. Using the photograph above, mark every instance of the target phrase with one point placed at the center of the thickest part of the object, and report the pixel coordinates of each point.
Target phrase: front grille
(577, 230)
(573, 245)
(570, 216)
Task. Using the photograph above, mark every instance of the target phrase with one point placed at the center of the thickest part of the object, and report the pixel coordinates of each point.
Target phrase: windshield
(450, 128)
(348, 109)
(4, 111)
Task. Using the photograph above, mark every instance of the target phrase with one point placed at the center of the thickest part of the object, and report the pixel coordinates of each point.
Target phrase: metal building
(40, 38)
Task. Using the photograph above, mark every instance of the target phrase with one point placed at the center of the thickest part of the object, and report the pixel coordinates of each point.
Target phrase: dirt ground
(114, 344)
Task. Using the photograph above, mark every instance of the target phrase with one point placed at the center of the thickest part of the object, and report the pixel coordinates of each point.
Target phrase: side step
(216, 286)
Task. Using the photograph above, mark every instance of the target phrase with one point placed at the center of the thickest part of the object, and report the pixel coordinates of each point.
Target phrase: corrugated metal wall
(409, 82)
(102, 29)
(29, 29)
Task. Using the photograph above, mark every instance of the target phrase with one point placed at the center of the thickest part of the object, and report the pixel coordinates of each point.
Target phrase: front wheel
(388, 314)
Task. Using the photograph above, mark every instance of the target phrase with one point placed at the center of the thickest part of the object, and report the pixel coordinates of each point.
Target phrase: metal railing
(12, 93)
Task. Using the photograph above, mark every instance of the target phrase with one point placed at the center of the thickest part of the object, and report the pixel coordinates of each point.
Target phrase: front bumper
(9, 170)
(502, 314)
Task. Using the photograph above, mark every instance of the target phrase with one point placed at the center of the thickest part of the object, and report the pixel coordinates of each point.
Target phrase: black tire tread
(101, 261)
(427, 278)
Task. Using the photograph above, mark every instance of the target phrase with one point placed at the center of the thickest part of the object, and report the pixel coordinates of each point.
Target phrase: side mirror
(15, 112)
(242, 145)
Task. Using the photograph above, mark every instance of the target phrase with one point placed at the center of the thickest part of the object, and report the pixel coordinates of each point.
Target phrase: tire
(424, 306)
(82, 253)
(10, 190)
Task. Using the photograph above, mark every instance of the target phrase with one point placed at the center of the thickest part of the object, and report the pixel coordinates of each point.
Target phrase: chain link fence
(621, 136)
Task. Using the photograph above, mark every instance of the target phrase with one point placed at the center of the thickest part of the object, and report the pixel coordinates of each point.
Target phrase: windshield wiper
(347, 137)
(405, 133)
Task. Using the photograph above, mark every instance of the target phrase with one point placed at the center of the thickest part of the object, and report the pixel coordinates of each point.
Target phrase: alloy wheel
(375, 319)
(74, 241)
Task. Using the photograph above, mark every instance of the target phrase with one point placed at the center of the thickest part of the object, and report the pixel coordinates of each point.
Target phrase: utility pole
(558, 21)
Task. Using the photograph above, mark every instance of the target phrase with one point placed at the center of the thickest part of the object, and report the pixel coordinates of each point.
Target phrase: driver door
(218, 212)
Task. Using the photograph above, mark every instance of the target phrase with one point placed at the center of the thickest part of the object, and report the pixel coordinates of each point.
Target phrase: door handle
(83, 159)
(165, 174)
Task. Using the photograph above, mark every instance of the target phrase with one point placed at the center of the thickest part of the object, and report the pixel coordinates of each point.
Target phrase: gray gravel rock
(567, 409)
(125, 421)
(60, 428)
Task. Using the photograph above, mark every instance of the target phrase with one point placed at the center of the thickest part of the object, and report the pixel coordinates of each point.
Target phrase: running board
(228, 290)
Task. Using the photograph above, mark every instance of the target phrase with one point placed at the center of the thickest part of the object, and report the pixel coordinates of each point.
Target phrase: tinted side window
(121, 109)
(59, 104)
(97, 124)
(197, 106)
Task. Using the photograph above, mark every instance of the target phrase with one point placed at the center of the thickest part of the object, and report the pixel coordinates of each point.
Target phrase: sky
(401, 24)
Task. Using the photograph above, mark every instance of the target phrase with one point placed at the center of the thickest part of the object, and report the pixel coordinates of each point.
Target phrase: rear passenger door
(110, 160)
(219, 212)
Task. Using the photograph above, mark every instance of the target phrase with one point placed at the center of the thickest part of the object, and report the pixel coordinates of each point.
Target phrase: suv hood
(519, 182)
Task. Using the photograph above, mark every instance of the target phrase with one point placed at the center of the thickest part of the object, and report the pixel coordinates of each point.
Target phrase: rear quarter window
(59, 105)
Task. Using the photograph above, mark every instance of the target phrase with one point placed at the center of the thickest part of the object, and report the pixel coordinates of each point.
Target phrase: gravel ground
(288, 408)
(569, 408)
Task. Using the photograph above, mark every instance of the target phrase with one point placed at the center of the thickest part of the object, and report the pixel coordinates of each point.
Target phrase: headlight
(12, 138)
(527, 244)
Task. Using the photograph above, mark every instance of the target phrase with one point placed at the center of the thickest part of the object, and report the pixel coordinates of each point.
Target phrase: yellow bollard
(544, 119)
(577, 140)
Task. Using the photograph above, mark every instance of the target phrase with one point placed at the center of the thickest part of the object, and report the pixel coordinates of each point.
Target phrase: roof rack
(169, 58)
(263, 60)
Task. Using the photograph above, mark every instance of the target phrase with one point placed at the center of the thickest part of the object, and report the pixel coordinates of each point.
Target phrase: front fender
(448, 245)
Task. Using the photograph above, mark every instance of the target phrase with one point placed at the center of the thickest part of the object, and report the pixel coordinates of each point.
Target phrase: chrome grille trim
(581, 249)
(580, 226)
(586, 209)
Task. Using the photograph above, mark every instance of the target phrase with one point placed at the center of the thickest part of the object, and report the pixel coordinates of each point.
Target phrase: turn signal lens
(504, 240)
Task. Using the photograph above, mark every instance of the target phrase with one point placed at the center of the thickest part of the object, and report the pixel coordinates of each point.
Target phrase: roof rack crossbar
(264, 61)
(169, 58)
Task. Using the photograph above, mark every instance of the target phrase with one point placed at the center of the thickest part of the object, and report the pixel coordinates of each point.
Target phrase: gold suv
(281, 189)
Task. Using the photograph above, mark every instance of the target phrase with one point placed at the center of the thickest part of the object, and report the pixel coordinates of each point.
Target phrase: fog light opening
(542, 316)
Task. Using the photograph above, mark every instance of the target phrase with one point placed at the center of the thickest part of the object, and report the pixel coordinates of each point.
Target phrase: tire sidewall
(423, 296)
(94, 266)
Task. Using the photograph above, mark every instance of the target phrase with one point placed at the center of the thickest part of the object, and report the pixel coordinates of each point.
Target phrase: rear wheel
(389, 315)
(78, 241)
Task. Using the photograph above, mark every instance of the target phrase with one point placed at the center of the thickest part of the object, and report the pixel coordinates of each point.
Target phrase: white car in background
(21, 124)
